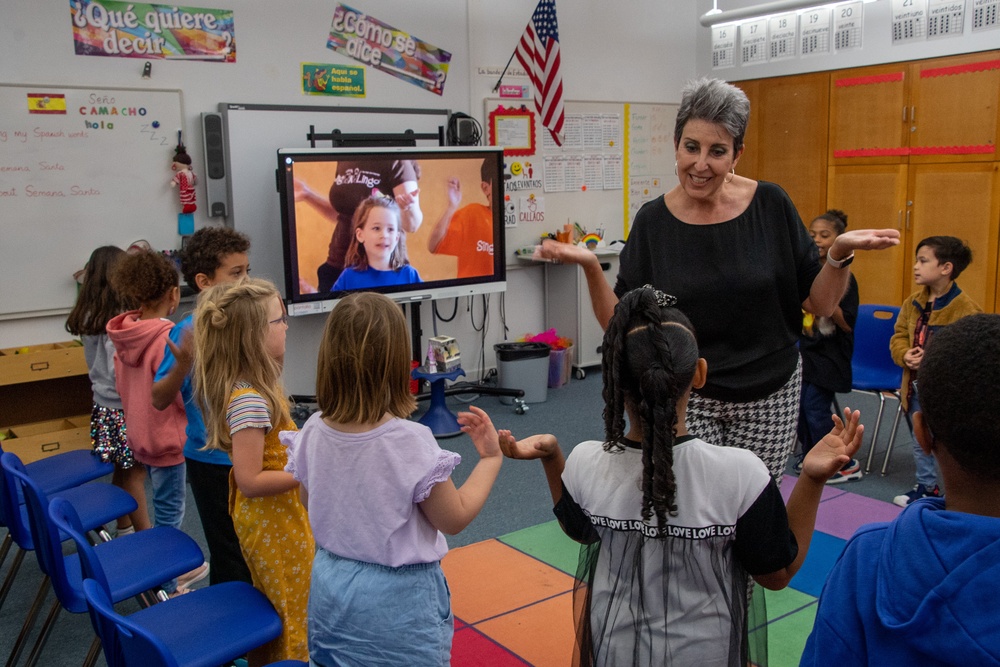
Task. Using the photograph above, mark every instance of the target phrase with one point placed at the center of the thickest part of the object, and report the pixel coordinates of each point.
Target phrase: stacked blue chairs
(97, 503)
(54, 473)
(209, 626)
(872, 367)
(136, 563)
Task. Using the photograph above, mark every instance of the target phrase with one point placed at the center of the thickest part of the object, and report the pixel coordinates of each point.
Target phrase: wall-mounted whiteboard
(80, 168)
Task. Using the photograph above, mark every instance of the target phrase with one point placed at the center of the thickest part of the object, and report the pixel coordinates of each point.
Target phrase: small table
(438, 418)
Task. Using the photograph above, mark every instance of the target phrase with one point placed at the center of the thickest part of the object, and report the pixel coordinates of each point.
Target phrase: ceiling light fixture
(715, 16)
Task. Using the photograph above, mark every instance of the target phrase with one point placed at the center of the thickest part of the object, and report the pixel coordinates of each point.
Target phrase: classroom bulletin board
(614, 158)
(79, 168)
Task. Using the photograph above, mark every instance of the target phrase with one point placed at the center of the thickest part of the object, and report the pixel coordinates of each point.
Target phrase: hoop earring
(675, 167)
(730, 179)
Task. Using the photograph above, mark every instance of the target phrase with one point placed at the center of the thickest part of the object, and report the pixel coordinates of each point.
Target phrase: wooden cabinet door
(747, 165)
(874, 197)
(867, 125)
(960, 200)
(954, 109)
(792, 139)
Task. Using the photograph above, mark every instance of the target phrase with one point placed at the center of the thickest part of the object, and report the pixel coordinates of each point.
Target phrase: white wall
(876, 46)
(635, 51)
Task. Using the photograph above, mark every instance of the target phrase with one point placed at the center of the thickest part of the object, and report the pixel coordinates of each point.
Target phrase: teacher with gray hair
(742, 266)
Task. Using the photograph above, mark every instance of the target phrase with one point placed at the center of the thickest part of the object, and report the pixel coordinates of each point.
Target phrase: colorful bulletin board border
(152, 32)
(339, 80)
(375, 43)
(514, 129)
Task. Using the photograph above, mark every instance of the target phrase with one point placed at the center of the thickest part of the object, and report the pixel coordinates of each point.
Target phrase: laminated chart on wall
(590, 157)
(723, 46)
(909, 21)
(816, 28)
(753, 42)
(848, 26)
(782, 34)
(945, 18)
(985, 15)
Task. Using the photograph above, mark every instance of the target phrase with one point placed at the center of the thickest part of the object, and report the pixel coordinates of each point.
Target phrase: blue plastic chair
(135, 563)
(872, 367)
(205, 628)
(96, 503)
(55, 473)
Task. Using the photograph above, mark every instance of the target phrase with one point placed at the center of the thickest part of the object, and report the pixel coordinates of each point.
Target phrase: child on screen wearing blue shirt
(377, 254)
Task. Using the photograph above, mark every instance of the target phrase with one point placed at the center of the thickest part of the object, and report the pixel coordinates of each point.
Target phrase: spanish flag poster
(46, 103)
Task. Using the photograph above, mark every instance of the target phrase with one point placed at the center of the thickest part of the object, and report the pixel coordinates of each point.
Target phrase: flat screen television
(319, 188)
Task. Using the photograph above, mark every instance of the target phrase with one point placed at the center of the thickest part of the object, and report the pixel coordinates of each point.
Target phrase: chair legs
(892, 438)
(43, 635)
(29, 623)
(93, 654)
(8, 581)
(878, 422)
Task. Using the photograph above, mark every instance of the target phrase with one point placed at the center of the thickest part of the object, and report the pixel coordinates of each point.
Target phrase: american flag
(538, 53)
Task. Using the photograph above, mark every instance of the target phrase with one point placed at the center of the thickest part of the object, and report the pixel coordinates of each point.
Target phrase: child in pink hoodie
(155, 437)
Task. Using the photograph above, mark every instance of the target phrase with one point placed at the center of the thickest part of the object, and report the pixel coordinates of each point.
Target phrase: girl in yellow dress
(240, 337)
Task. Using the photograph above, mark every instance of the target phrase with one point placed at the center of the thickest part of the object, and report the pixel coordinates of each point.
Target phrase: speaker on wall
(216, 173)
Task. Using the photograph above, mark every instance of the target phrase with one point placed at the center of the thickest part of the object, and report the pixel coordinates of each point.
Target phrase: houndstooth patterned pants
(767, 426)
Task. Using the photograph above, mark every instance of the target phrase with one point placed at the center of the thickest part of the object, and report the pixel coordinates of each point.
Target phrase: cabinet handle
(913, 114)
(904, 113)
(907, 221)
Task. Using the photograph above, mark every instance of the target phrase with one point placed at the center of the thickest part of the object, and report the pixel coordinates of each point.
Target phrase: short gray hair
(714, 101)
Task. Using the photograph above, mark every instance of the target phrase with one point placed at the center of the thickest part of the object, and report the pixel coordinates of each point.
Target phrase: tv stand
(442, 422)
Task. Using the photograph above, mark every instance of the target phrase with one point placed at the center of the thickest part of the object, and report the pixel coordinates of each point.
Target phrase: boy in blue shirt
(212, 255)
(922, 589)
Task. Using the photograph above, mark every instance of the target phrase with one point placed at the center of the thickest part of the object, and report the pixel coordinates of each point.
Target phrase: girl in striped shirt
(240, 338)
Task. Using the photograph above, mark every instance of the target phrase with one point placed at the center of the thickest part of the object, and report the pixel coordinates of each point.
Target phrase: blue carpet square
(824, 550)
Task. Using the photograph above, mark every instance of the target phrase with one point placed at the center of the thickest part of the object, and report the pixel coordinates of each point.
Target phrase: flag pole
(509, 60)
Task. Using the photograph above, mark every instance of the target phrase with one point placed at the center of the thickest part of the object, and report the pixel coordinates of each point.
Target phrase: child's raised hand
(478, 425)
(836, 448)
(533, 447)
(454, 191)
(185, 353)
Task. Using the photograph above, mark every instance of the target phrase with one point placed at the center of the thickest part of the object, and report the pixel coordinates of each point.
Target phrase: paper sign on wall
(375, 43)
(130, 30)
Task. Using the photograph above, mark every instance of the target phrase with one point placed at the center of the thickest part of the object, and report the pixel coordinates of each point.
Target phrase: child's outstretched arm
(451, 509)
(248, 466)
(823, 461)
(544, 447)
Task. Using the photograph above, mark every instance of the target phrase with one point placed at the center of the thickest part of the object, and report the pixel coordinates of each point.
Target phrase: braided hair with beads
(650, 360)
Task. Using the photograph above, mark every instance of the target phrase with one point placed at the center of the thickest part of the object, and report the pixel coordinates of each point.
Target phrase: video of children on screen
(377, 254)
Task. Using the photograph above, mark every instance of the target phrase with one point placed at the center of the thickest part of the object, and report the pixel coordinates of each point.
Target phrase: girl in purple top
(379, 494)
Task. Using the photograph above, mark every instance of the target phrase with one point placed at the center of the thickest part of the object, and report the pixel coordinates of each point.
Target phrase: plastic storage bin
(523, 366)
(560, 367)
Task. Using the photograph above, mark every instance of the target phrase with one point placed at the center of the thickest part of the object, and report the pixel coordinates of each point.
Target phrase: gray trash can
(523, 366)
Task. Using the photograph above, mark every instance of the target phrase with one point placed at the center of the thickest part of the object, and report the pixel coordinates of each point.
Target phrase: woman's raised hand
(565, 253)
(863, 239)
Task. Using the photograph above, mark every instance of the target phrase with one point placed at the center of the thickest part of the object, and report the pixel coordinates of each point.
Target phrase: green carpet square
(547, 543)
(786, 637)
